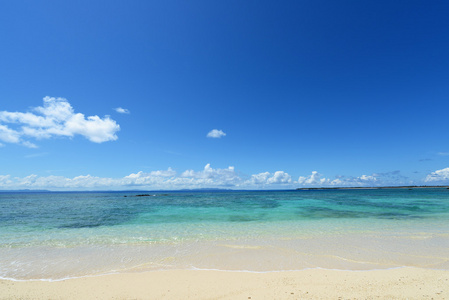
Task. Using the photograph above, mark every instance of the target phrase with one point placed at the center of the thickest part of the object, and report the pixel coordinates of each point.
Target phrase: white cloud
(8, 135)
(438, 175)
(122, 110)
(280, 177)
(168, 179)
(260, 178)
(5, 180)
(93, 128)
(443, 153)
(317, 179)
(266, 178)
(367, 178)
(313, 179)
(216, 134)
(154, 178)
(55, 118)
(29, 144)
(208, 177)
(212, 177)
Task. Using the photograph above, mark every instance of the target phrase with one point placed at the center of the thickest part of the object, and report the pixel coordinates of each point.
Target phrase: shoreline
(397, 283)
(340, 252)
(241, 246)
(194, 269)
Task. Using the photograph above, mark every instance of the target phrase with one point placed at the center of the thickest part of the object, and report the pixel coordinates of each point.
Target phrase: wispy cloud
(122, 110)
(216, 134)
(36, 155)
(443, 153)
(55, 118)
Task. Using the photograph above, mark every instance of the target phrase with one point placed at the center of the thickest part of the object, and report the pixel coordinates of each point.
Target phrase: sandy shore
(401, 283)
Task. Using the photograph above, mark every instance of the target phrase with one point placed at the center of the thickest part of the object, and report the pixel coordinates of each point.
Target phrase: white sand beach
(402, 283)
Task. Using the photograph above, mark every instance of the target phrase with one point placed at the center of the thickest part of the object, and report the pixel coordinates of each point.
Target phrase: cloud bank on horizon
(207, 178)
(55, 118)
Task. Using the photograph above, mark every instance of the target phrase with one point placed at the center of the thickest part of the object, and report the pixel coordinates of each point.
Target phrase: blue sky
(305, 93)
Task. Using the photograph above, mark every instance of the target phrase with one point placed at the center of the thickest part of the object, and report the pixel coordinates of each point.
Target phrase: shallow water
(59, 235)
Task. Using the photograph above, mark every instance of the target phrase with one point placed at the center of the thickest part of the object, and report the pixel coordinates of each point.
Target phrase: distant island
(25, 191)
(376, 187)
(145, 193)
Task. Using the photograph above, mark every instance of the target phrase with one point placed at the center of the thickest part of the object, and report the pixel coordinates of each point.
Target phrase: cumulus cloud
(317, 179)
(55, 118)
(266, 178)
(313, 179)
(216, 134)
(260, 178)
(122, 110)
(169, 179)
(438, 176)
(392, 178)
(208, 177)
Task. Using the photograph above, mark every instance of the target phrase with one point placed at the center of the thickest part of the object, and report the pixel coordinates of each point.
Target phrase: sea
(59, 235)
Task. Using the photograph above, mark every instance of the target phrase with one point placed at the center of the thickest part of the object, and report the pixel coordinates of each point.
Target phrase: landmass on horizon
(375, 187)
(236, 190)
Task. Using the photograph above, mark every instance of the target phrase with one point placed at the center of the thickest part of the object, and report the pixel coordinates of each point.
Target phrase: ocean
(53, 236)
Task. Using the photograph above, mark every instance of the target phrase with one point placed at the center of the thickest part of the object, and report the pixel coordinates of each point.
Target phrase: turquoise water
(59, 235)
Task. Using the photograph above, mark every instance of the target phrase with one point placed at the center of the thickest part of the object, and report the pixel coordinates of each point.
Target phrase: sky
(157, 95)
